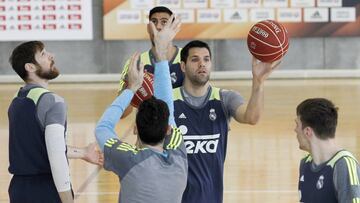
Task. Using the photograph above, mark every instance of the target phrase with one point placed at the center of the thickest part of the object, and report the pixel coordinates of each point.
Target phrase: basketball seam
(267, 26)
(281, 44)
(151, 92)
(139, 98)
(253, 52)
(263, 41)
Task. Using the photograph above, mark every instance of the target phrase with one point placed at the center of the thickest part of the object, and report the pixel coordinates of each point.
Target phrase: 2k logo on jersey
(201, 143)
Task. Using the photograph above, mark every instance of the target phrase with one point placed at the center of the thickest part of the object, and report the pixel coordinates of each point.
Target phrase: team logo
(212, 114)
(183, 129)
(182, 115)
(236, 16)
(320, 182)
(173, 77)
(316, 15)
(302, 178)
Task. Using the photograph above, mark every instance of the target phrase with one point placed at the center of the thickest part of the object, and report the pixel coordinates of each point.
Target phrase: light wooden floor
(262, 160)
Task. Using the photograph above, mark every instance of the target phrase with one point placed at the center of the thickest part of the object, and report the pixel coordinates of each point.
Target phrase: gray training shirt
(155, 176)
(51, 108)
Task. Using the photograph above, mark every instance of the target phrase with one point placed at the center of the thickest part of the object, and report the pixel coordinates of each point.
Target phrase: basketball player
(202, 113)
(329, 173)
(157, 171)
(37, 127)
(160, 16)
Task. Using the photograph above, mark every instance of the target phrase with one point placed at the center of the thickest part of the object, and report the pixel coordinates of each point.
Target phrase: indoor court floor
(262, 160)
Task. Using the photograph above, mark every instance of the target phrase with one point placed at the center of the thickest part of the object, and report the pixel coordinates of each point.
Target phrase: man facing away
(37, 128)
(329, 173)
(202, 113)
(156, 171)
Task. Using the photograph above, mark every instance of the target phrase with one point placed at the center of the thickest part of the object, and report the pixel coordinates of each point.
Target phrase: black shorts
(34, 188)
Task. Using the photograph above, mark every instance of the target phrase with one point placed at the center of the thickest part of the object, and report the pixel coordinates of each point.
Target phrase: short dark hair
(320, 114)
(22, 54)
(193, 44)
(152, 121)
(160, 9)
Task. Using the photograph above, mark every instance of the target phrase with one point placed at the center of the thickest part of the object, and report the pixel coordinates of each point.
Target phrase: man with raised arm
(156, 171)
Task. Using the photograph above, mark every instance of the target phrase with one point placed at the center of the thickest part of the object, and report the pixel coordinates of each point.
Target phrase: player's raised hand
(262, 70)
(164, 37)
(135, 74)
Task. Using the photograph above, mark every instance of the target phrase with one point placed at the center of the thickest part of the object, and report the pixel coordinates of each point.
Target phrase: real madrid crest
(173, 77)
(212, 114)
(320, 182)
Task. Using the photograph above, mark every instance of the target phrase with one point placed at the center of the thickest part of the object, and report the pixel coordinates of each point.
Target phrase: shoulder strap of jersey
(35, 94)
(339, 155)
(145, 58)
(307, 158)
(215, 93)
(177, 94)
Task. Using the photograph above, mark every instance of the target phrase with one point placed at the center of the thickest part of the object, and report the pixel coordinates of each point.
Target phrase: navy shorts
(33, 188)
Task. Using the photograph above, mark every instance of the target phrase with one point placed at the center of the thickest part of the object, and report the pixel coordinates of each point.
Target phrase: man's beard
(48, 75)
(198, 81)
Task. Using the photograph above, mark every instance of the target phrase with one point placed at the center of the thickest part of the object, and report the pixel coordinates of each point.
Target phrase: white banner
(208, 15)
(128, 16)
(248, 3)
(45, 20)
(316, 14)
(289, 15)
(186, 15)
(259, 14)
(343, 14)
(236, 15)
(222, 4)
(169, 3)
(195, 3)
(302, 3)
(275, 3)
(329, 3)
(142, 4)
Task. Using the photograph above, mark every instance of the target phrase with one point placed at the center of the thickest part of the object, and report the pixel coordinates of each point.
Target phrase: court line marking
(227, 192)
(88, 180)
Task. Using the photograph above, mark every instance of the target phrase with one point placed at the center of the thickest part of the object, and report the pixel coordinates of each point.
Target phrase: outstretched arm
(162, 80)
(251, 114)
(105, 127)
(90, 154)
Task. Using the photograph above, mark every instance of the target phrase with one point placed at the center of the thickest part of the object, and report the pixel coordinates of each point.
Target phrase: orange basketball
(268, 41)
(145, 91)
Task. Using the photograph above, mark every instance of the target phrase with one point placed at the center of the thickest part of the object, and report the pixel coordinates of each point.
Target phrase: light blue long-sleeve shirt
(162, 90)
(163, 87)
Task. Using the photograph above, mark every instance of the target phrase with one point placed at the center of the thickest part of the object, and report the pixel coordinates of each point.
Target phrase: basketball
(268, 41)
(145, 91)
